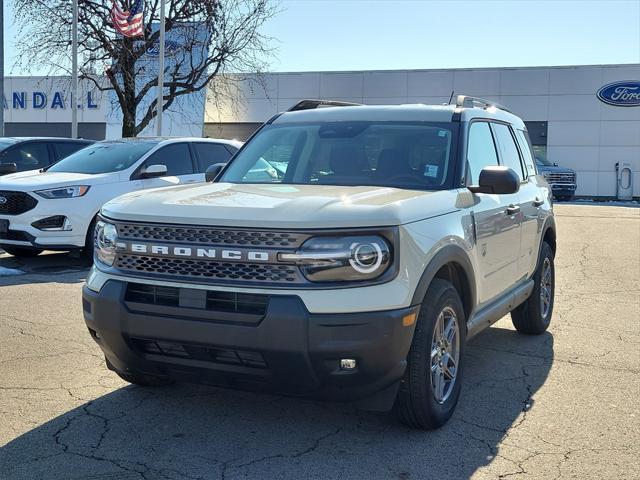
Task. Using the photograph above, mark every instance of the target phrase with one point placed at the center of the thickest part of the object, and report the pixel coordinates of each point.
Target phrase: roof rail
(312, 104)
(467, 101)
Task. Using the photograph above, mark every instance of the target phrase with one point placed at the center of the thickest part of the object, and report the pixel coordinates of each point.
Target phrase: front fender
(446, 255)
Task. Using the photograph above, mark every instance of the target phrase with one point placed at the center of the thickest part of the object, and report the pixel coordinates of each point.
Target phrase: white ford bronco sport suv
(385, 238)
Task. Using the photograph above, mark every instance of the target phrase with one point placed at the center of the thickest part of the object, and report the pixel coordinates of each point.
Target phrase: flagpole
(74, 72)
(160, 72)
(2, 69)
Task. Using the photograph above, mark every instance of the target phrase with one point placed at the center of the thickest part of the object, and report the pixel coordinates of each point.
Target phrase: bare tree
(216, 37)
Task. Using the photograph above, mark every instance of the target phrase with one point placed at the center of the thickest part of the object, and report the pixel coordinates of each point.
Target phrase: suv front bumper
(287, 350)
(563, 189)
(19, 230)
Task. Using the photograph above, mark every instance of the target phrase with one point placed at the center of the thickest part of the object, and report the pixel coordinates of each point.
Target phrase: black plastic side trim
(499, 308)
(448, 254)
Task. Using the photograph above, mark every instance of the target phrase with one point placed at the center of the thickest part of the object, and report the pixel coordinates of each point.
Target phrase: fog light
(348, 364)
(57, 222)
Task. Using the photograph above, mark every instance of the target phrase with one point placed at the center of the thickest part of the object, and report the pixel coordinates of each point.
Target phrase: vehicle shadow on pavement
(48, 267)
(191, 431)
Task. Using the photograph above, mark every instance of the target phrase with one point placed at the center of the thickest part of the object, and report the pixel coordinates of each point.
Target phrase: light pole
(74, 72)
(2, 68)
(160, 72)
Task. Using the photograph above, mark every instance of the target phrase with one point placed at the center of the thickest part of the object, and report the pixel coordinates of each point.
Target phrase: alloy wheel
(445, 354)
(546, 288)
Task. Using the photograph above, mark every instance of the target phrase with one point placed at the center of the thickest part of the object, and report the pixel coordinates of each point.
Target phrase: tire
(534, 315)
(21, 252)
(87, 251)
(564, 198)
(416, 404)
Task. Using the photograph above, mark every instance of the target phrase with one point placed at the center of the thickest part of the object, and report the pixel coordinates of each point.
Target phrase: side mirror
(497, 180)
(6, 168)
(153, 171)
(213, 171)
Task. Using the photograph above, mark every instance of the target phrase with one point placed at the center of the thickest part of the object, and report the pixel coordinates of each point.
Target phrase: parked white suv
(55, 208)
(388, 236)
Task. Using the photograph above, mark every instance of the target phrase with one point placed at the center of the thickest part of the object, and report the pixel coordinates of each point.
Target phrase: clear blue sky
(393, 34)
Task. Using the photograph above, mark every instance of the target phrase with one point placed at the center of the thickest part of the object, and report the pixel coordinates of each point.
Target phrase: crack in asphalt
(312, 448)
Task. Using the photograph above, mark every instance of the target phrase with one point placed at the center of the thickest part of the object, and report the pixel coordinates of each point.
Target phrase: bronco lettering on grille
(178, 251)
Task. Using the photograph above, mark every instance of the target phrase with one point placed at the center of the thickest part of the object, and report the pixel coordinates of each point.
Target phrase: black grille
(17, 236)
(568, 177)
(205, 269)
(16, 203)
(210, 236)
(228, 302)
(199, 352)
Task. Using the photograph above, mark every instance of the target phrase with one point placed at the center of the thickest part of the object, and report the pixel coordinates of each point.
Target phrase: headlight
(106, 236)
(64, 192)
(342, 259)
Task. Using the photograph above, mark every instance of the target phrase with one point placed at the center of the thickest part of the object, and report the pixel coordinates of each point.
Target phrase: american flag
(128, 23)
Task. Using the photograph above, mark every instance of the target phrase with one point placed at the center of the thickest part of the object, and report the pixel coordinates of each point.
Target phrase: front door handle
(538, 202)
(513, 209)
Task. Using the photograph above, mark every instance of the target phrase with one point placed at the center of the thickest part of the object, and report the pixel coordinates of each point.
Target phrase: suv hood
(280, 206)
(555, 169)
(37, 180)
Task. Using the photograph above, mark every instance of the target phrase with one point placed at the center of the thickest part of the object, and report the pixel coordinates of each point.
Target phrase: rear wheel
(534, 315)
(430, 388)
(21, 252)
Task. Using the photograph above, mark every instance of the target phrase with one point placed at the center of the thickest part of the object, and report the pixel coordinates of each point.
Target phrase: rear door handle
(513, 209)
(538, 202)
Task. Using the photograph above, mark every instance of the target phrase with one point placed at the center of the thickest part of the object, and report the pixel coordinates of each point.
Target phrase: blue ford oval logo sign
(621, 94)
(170, 47)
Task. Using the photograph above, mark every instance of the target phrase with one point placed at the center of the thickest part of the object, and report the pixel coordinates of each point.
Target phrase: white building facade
(568, 122)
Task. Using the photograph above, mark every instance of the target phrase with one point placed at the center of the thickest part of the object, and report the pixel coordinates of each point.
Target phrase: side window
(481, 151)
(525, 148)
(28, 156)
(64, 149)
(210, 153)
(176, 157)
(509, 155)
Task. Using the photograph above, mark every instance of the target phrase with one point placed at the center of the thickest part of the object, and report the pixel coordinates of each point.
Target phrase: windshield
(544, 161)
(391, 154)
(103, 157)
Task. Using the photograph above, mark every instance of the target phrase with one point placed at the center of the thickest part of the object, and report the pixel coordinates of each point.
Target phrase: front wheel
(430, 388)
(89, 243)
(534, 315)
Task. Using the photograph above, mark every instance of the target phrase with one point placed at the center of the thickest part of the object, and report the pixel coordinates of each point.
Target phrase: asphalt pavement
(561, 405)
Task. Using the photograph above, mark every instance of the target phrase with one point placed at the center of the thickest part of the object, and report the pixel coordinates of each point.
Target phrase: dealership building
(572, 120)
